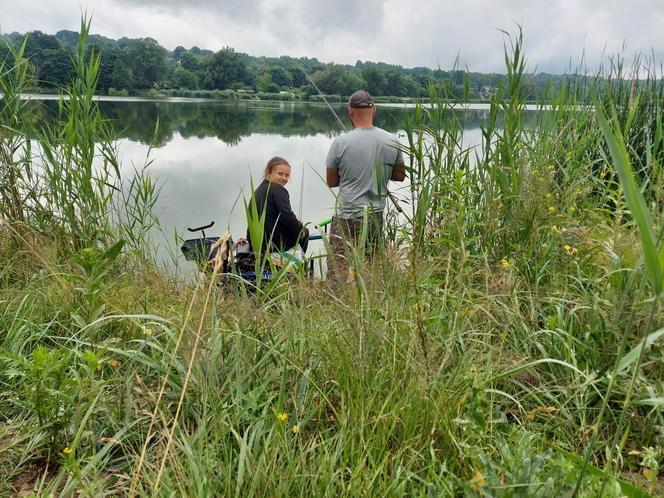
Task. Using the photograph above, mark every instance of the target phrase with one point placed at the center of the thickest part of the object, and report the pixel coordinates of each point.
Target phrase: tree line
(139, 65)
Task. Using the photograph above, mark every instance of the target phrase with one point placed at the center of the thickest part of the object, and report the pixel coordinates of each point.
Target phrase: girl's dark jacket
(281, 224)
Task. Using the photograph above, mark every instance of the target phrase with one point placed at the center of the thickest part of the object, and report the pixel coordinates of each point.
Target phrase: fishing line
(390, 195)
(343, 126)
(301, 193)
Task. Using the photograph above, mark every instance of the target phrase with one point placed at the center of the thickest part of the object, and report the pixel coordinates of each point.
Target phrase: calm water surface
(205, 154)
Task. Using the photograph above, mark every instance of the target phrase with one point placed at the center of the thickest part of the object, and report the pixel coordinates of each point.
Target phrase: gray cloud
(234, 9)
(416, 33)
(345, 16)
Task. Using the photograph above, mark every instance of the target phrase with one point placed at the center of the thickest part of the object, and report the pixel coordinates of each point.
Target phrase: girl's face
(280, 174)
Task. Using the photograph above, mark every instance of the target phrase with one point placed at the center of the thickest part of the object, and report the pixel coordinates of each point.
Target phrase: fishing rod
(392, 197)
(343, 126)
(301, 193)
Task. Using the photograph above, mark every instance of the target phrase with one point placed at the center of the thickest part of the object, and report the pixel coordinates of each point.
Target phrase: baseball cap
(360, 100)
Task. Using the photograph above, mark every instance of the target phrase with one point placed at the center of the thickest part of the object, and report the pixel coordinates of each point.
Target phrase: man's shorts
(351, 230)
(345, 231)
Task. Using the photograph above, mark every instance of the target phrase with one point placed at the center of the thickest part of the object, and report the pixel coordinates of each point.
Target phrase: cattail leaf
(630, 117)
(626, 488)
(634, 198)
(633, 355)
(656, 401)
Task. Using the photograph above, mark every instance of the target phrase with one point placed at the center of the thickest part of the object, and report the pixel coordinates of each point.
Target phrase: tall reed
(15, 146)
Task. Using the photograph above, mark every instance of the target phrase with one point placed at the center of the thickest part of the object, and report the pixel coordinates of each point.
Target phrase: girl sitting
(282, 229)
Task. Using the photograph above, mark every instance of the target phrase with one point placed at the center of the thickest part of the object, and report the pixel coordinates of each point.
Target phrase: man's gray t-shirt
(364, 159)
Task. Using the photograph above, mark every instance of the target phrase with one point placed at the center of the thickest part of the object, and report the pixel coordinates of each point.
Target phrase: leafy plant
(51, 392)
(94, 267)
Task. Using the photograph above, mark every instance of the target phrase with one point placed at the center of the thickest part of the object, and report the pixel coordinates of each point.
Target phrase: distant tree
(280, 76)
(56, 67)
(352, 81)
(108, 58)
(123, 75)
(395, 84)
(35, 49)
(298, 77)
(5, 52)
(106, 44)
(223, 69)
(178, 51)
(67, 38)
(264, 83)
(147, 60)
(38, 42)
(184, 78)
(168, 79)
(439, 74)
(329, 79)
(412, 88)
(190, 61)
(375, 79)
(123, 42)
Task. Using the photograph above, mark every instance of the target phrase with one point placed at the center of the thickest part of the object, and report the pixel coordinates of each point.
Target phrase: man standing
(361, 163)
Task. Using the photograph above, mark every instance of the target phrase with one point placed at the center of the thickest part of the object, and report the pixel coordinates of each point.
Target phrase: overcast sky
(407, 32)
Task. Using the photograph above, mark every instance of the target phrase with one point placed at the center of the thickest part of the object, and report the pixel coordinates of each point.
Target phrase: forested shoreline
(141, 66)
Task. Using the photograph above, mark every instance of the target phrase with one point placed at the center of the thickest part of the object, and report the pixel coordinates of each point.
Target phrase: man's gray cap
(361, 100)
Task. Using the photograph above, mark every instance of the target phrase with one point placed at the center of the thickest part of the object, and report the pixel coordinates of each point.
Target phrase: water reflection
(205, 155)
(231, 121)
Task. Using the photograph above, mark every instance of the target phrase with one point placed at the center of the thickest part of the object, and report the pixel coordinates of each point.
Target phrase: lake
(204, 155)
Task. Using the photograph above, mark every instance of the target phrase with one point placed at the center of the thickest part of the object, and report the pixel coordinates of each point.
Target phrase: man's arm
(332, 177)
(398, 173)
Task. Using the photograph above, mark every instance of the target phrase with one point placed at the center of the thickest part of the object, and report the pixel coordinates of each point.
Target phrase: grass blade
(634, 198)
(633, 355)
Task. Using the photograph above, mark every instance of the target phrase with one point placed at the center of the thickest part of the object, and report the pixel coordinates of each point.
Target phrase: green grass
(508, 342)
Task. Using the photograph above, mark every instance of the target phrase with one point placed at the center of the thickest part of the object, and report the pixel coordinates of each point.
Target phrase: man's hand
(398, 173)
(332, 177)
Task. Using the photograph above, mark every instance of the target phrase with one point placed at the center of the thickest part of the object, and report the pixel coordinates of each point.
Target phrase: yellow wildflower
(551, 167)
(479, 479)
(570, 250)
(282, 417)
(551, 209)
(295, 429)
(505, 264)
(67, 450)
